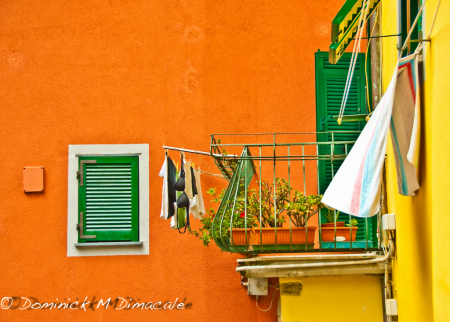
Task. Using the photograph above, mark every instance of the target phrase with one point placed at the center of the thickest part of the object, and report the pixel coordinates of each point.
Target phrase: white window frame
(142, 248)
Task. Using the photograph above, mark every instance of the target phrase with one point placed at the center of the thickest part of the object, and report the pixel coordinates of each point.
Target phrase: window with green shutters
(330, 84)
(108, 199)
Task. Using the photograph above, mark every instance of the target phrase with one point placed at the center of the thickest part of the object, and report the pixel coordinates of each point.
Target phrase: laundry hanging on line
(181, 193)
(168, 172)
(355, 189)
(198, 207)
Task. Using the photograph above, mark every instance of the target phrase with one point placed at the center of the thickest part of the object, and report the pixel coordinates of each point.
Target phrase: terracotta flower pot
(283, 235)
(239, 236)
(338, 224)
(343, 232)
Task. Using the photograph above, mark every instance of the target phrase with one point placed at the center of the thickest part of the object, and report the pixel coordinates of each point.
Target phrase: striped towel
(355, 189)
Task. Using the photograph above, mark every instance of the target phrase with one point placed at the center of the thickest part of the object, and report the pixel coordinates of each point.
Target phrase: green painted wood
(344, 18)
(344, 27)
(330, 84)
(109, 199)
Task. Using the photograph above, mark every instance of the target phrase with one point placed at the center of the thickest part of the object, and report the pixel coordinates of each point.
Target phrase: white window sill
(109, 244)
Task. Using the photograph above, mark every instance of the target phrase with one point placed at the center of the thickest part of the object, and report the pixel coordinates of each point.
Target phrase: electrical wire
(271, 302)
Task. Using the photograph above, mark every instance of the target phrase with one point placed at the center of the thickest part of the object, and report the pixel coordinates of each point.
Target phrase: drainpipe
(375, 57)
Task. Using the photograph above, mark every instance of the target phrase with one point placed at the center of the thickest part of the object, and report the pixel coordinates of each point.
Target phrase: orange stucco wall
(156, 72)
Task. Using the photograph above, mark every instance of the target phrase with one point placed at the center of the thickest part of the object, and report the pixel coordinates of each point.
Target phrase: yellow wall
(437, 98)
(421, 267)
(334, 298)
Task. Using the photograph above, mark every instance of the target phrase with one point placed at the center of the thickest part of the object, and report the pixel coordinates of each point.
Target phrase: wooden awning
(344, 25)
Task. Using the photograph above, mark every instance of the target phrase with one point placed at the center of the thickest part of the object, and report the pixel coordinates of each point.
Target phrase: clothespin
(167, 152)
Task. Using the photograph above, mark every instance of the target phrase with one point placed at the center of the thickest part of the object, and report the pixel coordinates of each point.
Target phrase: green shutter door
(330, 85)
(108, 199)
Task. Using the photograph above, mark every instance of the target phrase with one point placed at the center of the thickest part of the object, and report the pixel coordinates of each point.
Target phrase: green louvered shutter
(330, 85)
(108, 196)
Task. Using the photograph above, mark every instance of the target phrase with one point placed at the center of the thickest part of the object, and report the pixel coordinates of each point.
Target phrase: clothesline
(199, 152)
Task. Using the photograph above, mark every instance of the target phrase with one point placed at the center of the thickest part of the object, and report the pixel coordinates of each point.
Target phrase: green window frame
(108, 199)
(330, 84)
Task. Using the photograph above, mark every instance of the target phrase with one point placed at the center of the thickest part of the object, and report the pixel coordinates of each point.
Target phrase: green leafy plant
(239, 220)
(235, 211)
(264, 201)
(302, 208)
(329, 216)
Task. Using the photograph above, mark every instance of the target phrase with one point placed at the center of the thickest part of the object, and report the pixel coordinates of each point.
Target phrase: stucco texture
(127, 72)
(337, 298)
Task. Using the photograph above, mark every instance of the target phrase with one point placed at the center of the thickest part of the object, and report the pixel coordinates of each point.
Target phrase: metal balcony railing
(266, 174)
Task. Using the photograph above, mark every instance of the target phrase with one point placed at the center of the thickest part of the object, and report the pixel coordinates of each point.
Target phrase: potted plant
(299, 210)
(262, 204)
(329, 217)
(340, 232)
(258, 205)
(239, 222)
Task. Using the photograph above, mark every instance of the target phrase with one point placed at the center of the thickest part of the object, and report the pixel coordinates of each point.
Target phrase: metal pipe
(279, 144)
(260, 203)
(279, 133)
(275, 190)
(385, 258)
(199, 152)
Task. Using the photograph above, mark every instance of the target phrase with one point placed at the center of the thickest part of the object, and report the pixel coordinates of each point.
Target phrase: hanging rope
(434, 18)
(356, 48)
(344, 98)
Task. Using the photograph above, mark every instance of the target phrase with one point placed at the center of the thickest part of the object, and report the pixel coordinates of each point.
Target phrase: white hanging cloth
(165, 192)
(198, 207)
(355, 189)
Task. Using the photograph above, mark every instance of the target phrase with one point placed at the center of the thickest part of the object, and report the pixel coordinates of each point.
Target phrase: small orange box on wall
(33, 179)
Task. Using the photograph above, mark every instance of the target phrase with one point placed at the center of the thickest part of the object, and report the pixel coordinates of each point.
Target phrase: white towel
(355, 189)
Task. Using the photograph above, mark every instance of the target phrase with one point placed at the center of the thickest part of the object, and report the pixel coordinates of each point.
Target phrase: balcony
(272, 202)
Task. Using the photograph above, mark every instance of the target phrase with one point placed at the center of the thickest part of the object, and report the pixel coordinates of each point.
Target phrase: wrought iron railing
(296, 160)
